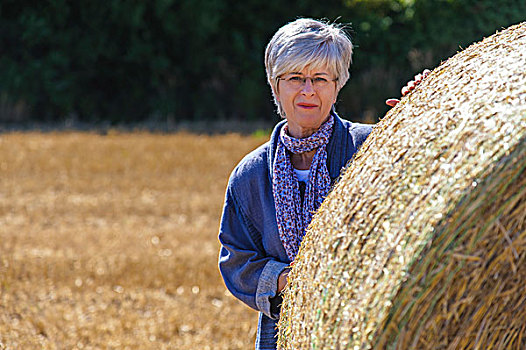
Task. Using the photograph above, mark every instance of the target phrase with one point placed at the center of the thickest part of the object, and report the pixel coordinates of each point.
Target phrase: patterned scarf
(292, 217)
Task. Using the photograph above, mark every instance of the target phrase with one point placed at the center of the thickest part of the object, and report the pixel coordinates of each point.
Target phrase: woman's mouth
(307, 105)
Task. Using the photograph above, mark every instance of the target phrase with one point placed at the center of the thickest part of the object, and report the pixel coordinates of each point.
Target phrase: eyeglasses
(298, 81)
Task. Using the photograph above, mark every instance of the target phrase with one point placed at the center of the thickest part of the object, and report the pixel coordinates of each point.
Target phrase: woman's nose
(308, 87)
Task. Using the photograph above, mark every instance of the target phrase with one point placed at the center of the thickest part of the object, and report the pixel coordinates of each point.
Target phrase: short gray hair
(308, 42)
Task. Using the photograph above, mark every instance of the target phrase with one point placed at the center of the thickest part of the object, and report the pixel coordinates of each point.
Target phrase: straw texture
(422, 242)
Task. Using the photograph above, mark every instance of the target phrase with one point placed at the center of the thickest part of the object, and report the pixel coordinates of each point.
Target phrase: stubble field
(110, 242)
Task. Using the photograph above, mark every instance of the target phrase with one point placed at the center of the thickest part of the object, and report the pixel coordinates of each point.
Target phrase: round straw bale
(422, 242)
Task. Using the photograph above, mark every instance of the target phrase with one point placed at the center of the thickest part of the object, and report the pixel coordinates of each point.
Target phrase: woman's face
(306, 97)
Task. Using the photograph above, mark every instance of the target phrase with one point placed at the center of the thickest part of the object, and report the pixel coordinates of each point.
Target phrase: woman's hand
(411, 85)
(282, 280)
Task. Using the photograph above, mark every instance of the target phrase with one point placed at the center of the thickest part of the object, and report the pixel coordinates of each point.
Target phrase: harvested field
(422, 243)
(110, 242)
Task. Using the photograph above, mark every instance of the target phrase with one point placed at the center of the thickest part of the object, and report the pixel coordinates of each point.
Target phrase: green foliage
(122, 61)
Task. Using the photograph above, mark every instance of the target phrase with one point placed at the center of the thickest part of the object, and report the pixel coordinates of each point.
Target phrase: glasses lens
(295, 82)
(319, 82)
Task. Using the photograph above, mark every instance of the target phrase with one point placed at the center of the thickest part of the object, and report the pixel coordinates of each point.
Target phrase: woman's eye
(295, 79)
(320, 80)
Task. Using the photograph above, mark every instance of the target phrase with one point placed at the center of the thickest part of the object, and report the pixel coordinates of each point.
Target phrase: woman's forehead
(312, 69)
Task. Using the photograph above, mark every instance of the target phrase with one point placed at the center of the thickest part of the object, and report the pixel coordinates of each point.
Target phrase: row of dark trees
(133, 60)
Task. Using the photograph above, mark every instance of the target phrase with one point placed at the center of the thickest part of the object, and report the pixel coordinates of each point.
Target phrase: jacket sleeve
(360, 132)
(249, 274)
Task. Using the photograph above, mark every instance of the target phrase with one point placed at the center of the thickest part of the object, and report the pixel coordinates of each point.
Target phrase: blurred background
(167, 62)
(108, 238)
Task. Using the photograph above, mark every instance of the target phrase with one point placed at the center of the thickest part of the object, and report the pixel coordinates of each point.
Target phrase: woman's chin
(310, 120)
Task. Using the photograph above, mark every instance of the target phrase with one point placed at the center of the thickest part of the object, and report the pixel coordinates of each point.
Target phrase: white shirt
(302, 175)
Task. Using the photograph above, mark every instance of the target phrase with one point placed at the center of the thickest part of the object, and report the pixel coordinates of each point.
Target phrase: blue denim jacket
(252, 255)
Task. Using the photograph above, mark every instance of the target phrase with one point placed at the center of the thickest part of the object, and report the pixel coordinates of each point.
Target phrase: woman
(274, 190)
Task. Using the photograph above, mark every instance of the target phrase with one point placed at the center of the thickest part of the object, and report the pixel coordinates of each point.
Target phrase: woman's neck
(302, 161)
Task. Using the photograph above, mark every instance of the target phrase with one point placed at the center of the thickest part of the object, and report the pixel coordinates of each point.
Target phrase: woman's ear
(336, 95)
(276, 92)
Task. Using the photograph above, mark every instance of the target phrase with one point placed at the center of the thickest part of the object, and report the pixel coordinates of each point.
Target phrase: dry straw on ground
(422, 243)
(110, 242)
